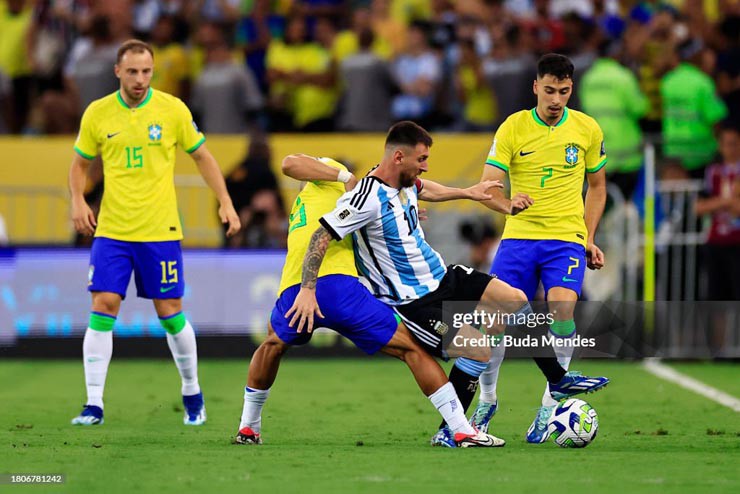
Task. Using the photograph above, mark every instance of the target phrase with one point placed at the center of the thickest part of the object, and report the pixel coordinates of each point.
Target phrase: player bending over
(406, 273)
(349, 309)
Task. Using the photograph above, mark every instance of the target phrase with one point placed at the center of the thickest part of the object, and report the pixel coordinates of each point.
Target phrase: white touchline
(655, 367)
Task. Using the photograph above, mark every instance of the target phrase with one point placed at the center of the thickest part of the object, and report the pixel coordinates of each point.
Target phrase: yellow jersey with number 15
(138, 146)
(315, 200)
(549, 164)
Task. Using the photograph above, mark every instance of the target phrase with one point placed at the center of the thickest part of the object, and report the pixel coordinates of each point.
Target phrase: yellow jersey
(315, 200)
(137, 146)
(549, 164)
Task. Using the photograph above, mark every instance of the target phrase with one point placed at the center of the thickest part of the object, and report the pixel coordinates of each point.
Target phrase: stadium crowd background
(665, 72)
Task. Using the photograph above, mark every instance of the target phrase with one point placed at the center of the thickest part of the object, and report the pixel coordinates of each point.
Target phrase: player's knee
(274, 345)
(480, 354)
(106, 303)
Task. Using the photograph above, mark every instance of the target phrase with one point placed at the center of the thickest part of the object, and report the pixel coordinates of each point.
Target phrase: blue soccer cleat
(483, 414)
(573, 383)
(90, 415)
(539, 431)
(444, 438)
(195, 409)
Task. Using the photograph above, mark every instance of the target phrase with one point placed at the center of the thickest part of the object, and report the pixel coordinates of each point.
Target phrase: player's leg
(562, 267)
(433, 328)
(515, 266)
(373, 327)
(263, 369)
(184, 349)
(108, 278)
(264, 365)
(158, 272)
(434, 384)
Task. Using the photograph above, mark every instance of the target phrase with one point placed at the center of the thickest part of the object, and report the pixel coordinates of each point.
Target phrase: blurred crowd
(663, 70)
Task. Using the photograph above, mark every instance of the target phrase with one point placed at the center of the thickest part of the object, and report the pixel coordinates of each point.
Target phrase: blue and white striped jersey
(390, 249)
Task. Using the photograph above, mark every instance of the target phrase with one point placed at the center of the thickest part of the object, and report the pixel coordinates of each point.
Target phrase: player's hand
(594, 257)
(227, 213)
(423, 214)
(351, 183)
(519, 203)
(479, 191)
(83, 218)
(304, 307)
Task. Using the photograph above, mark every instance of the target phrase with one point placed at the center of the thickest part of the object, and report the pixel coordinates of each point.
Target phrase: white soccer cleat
(478, 440)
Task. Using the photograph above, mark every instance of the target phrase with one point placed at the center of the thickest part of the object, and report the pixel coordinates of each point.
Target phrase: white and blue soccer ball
(573, 424)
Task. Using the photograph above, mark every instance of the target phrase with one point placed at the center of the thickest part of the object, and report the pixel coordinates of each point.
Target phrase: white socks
(254, 400)
(97, 349)
(185, 353)
(446, 402)
(489, 377)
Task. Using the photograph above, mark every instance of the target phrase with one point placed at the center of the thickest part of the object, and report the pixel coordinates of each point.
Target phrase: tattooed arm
(305, 305)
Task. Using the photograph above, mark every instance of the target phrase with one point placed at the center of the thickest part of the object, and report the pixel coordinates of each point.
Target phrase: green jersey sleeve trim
(497, 164)
(197, 145)
(83, 154)
(597, 167)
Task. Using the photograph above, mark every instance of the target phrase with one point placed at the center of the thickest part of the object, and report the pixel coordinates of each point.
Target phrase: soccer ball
(573, 424)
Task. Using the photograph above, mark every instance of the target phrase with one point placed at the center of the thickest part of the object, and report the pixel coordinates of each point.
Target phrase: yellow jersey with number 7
(137, 146)
(549, 164)
(315, 200)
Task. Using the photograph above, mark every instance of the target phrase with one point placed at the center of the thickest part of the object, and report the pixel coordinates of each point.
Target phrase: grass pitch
(357, 426)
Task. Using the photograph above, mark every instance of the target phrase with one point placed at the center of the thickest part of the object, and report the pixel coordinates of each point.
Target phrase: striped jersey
(390, 249)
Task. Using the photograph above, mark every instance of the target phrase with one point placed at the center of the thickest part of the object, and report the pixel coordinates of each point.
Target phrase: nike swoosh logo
(565, 278)
(522, 153)
(113, 134)
(165, 290)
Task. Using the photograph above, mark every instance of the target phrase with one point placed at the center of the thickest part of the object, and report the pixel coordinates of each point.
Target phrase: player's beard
(133, 97)
(407, 180)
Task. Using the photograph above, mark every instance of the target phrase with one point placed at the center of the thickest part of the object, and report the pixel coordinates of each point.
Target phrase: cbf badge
(571, 154)
(155, 132)
(90, 273)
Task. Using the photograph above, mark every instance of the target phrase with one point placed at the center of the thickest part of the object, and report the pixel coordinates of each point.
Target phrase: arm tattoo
(314, 256)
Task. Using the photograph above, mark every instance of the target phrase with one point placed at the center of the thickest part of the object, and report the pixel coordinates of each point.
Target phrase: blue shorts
(157, 268)
(348, 308)
(524, 263)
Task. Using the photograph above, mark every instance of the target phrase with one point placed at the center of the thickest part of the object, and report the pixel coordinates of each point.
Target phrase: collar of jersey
(539, 120)
(123, 103)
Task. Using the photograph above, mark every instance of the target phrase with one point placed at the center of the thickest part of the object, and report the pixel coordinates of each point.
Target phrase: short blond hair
(135, 46)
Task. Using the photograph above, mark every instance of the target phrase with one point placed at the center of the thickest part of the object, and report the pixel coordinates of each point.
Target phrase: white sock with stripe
(446, 402)
(254, 400)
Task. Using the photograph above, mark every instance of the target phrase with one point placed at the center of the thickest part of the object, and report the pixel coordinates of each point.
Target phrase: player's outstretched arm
(211, 173)
(594, 208)
(307, 168)
(499, 202)
(305, 304)
(82, 216)
(436, 192)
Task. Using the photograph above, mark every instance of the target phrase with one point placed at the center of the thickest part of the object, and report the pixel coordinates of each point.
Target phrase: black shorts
(429, 322)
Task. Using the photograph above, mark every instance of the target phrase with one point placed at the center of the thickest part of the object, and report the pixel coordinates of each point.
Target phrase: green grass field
(357, 426)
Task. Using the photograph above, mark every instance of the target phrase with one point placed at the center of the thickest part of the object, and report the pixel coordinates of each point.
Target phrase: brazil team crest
(155, 132)
(571, 154)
